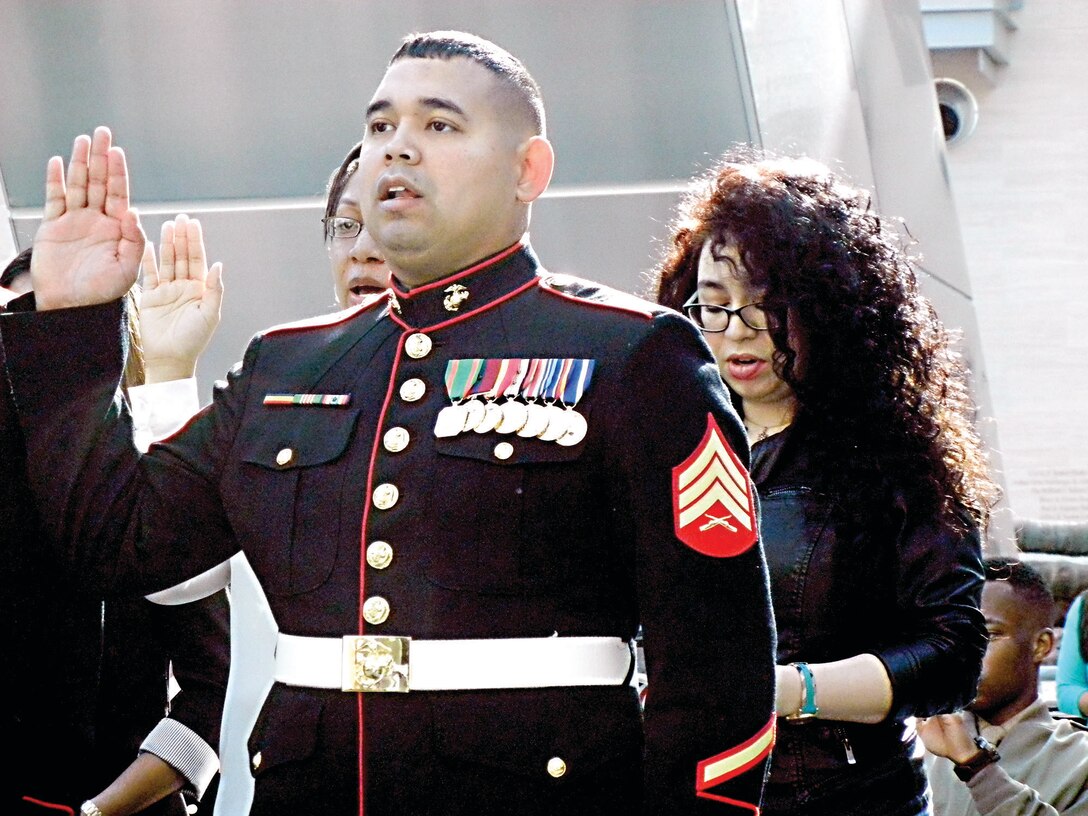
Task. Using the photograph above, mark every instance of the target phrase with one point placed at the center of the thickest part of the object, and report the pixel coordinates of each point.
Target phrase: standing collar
(467, 292)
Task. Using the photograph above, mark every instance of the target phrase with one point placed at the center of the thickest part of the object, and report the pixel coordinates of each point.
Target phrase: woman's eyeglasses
(713, 318)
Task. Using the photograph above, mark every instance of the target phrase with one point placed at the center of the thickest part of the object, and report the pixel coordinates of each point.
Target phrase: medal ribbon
(533, 379)
(581, 374)
(550, 379)
(487, 386)
(514, 386)
(561, 380)
(461, 375)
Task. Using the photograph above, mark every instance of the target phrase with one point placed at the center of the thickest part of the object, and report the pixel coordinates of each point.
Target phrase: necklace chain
(765, 430)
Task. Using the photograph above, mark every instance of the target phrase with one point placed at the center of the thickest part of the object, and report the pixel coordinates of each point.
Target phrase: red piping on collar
(513, 293)
(494, 259)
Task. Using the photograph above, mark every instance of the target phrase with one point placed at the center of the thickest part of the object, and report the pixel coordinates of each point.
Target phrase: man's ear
(1044, 642)
(537, 162)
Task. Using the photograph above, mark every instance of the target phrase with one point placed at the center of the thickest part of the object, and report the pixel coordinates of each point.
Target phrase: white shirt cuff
(160, 410)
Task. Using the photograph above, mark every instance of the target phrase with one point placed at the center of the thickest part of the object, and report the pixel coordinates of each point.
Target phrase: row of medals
(549, 423)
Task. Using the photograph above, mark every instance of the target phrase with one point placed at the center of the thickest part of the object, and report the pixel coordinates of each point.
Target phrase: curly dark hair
(879, 374)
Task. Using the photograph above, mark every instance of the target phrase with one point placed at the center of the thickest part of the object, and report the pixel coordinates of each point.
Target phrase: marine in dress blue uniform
(456, 606)
(542, 541)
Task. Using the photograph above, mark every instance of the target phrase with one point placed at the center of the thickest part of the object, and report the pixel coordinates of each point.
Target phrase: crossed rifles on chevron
(717, 521)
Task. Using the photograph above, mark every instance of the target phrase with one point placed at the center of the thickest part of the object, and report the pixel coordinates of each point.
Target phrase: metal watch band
(89, 808)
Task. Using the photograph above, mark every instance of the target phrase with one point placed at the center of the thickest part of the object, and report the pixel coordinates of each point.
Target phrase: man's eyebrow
(428, 102)
(442, 104)
(376, 106)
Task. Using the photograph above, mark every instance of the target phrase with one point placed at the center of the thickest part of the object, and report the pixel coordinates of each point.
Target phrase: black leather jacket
(903, 587)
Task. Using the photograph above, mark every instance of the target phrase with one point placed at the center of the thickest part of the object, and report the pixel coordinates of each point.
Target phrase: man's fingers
(166, 252)
(117, 201)
(213, 290)
(98, 169)
(130, 248)
(198, 262)
(55, 204)
(149, 273)
(181, 247)
(76, 195)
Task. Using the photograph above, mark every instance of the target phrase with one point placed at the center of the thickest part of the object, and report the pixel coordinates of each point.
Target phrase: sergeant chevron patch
(713, 511)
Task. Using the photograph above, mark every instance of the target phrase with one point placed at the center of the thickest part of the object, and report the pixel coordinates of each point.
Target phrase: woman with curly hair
(872, 480)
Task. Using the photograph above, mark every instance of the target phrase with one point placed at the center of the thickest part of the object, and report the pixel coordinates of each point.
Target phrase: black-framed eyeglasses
(340, 226)
(712, 318)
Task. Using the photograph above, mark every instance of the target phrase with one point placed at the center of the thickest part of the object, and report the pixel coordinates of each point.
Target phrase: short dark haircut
(339, 180)
(500, 62)
(20, 265)
(1026, 582)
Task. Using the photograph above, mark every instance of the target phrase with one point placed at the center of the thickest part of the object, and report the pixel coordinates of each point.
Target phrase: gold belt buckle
(372, 663)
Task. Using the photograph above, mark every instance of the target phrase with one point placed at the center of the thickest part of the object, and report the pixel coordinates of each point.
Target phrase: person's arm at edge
(1072, 672)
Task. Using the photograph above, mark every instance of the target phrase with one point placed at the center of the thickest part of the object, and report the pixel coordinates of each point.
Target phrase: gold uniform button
(385, 496)
(379, 554)
(396, 440)
(412, 390)
(285, 457)
(417, 345)
(556, 767)
(375, 610)
(504, 450)
(256, 761)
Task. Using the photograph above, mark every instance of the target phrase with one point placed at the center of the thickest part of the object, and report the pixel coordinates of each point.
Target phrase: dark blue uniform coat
(582, 540)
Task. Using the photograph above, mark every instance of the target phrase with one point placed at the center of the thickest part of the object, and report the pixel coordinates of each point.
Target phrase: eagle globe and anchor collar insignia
(455, 296)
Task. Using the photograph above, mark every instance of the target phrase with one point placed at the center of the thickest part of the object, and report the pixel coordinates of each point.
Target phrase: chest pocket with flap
(293, 474)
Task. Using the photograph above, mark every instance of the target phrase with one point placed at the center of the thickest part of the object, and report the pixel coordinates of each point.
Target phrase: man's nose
(402, 147)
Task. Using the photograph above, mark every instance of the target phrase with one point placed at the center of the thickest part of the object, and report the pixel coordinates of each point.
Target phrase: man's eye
(379, 127)
(441, 127)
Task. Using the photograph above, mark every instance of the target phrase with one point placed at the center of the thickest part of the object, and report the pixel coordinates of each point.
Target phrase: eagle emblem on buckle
(375, 663)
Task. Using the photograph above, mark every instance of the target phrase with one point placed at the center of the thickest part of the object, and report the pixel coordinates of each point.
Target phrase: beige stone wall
(1021, 188)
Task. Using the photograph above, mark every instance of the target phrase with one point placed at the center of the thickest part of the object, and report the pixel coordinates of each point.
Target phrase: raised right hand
(89, 245)
(180, 301)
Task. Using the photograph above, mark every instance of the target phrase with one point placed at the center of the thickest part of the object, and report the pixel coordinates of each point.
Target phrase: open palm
(180, 301)
(88, 247)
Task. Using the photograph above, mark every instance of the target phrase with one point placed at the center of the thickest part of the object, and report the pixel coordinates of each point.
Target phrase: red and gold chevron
(713, 511)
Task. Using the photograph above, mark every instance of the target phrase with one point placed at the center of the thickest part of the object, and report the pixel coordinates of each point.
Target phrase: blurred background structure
(236, 111)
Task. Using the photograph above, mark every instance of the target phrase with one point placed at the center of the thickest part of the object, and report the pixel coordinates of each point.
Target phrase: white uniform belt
(380, 663)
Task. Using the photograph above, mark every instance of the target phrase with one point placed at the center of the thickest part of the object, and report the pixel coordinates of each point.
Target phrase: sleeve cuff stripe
(735, 761)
